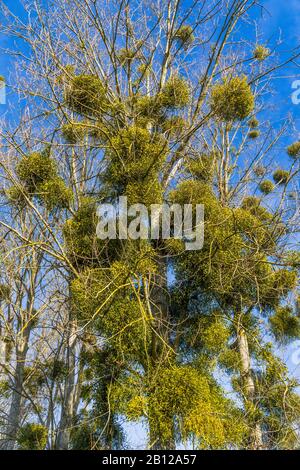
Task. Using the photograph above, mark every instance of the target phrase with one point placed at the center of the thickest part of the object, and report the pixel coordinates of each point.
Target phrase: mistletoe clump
(202, 168)
(266, 186)
(294, 150)
(253, 122)
(277, 286)
(281, 176)
(17, 196)
(185, 35)
(174, 126)
(35, 169)
(144, 69)
(127, 55)
(136, 157)
(74, 132)
(80, 232)
(260, 170)
(55, 194)
(250, 202)
(148, 107)
(176, 93)
(86, 95)
(261, 52)
(179, 396)
(253, 205)
(32, 437)
(38, 173)
(127, 324)
(254, 134)
(285, 324)
(233, 99)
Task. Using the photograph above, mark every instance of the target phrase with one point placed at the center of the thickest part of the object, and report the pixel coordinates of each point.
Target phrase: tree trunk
(160, 337)
(68, 408)
(256, 441)
(15, 411)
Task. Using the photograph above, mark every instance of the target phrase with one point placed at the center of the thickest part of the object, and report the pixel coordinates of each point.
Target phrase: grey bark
(68, 408)
(256, 440)
(15, 411)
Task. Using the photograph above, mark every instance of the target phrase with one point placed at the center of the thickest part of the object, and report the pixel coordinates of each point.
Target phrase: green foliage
(150, 350)
(285, 325)
(277, 286)
(261, 53)
(86, 95)
(38, 173)
(253, 122)
(74, 132)
(215, 336)
(292, 259)
(55, 194)
(94, 285)
(185, 35)
(98, 131)
(16, 196)
(233, 99)
(281, 176)
(266, 186)
(126, 55)
(176, 93)
(253, 206)
(80, 232)
(195, 192)
(294, 150)
(202, 168)
(174, 126)
(250, 202)
(144, 69)
(5, 292)
(83, 436)
(253, 134)
(229, 359)
(36, 169)
(136, 158)
(149, 107)
(128, 324)
(32, 437)
(279, 403)
(5, 389)
(180, 397)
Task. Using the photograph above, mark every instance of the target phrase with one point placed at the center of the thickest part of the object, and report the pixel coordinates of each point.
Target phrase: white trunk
(256, 441)
(15, 411)
(68, 409)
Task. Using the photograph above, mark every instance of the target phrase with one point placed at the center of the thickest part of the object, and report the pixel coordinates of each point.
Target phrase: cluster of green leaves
(135, 159)
(32, 437)
(233, 99)
(38, 177)
(179, 400)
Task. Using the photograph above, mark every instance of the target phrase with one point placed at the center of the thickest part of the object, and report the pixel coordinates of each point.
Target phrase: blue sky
(280, 20)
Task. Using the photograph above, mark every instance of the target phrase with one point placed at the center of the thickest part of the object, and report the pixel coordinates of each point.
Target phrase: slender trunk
(256, 441)
(15, 411)
(160, 337)
(68, 408)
